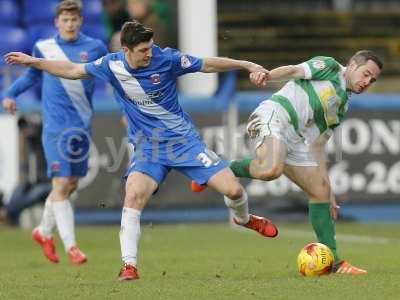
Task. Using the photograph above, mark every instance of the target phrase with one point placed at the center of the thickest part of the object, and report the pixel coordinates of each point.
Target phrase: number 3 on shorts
(208, 158)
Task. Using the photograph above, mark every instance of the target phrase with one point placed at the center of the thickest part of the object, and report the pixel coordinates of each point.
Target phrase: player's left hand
(258, 74)
(9, 105)
(334, 209)
(19, 58)
(259, 78)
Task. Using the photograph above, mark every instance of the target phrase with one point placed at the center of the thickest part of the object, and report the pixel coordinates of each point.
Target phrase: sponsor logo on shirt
(155, 78)
(331, 103)
(185, 62)
(98, 61)
(84, 56)
(148, 100)
(319, 64)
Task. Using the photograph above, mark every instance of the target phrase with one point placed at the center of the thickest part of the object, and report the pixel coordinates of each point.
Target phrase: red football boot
(76, 256)
(128, 272)
(344, 267)
(262, 225)
(47, 244)
(197, 187)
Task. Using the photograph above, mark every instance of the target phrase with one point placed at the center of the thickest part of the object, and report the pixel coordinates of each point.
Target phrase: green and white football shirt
(317, 103)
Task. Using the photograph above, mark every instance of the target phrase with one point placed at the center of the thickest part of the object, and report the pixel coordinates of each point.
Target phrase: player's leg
(317, 188)
(268, 163)
(312, 181)
(43, 234)
(267, 128)
(235, 196)
(67, 161)
(48, 222)
(143, 179)
(57, 211)
(236, 200)
(138, 190)
(72, 149)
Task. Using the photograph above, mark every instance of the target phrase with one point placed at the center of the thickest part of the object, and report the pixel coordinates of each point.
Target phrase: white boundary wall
(9, 154)
(197, 29)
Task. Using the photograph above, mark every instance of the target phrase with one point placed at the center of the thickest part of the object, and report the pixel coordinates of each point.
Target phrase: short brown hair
(134, 33)
(363, 56)
(72, 6)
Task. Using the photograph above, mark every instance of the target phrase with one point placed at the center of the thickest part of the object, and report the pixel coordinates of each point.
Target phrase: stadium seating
(39, 12)
(40, 32)
(95, 30)
(16, 39)
(9, 13)
(274, 37)
(92, 11)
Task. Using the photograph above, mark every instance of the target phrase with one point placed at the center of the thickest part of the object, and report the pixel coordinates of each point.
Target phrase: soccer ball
(315, 259)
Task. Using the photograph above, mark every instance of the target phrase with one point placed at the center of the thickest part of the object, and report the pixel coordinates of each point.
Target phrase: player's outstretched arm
(65, 69)
(223, 64)
(283, 73)
(258, 74)
(287, 73)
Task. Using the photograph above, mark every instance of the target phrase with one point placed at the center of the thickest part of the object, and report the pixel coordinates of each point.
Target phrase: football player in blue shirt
(144, 77)
(67, 113)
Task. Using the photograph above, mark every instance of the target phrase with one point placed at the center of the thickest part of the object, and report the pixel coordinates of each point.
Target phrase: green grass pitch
(210, 261)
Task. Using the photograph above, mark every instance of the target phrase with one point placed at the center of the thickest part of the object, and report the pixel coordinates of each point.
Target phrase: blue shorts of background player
(66, 152)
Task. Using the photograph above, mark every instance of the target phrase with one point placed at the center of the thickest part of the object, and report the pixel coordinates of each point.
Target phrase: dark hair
(363, 56)
(133, 33)
(72, 6)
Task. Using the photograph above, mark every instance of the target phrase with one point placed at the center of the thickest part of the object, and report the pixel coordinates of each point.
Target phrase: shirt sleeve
(26, 80)
(320, 68)
(183, 63)
(102, 49)
(99, 68)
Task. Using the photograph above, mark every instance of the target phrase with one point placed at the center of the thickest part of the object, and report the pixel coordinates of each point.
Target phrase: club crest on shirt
(55, 166)
(185, 62)
(155, 78)
(84, 56)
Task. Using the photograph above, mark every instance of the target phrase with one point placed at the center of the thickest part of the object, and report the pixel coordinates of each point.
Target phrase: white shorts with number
(270, 119)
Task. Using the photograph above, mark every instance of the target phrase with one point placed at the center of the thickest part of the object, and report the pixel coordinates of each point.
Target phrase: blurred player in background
(145, 79)
(290, 131)
(67, 113)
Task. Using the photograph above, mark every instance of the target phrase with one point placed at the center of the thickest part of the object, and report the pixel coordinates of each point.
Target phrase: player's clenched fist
(259, 78)
(9, 105)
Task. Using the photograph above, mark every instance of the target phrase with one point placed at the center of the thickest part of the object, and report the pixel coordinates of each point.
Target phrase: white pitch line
(365, 239)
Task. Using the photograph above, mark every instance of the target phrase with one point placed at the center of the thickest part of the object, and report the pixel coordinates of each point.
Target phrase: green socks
(241, 167)
(324, 226)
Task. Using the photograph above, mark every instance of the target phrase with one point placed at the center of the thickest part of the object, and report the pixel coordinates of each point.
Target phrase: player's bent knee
(235, 192)
(134, 200)
(61, 187)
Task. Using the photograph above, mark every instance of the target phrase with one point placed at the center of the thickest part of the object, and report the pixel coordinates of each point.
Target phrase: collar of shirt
(60, 40)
